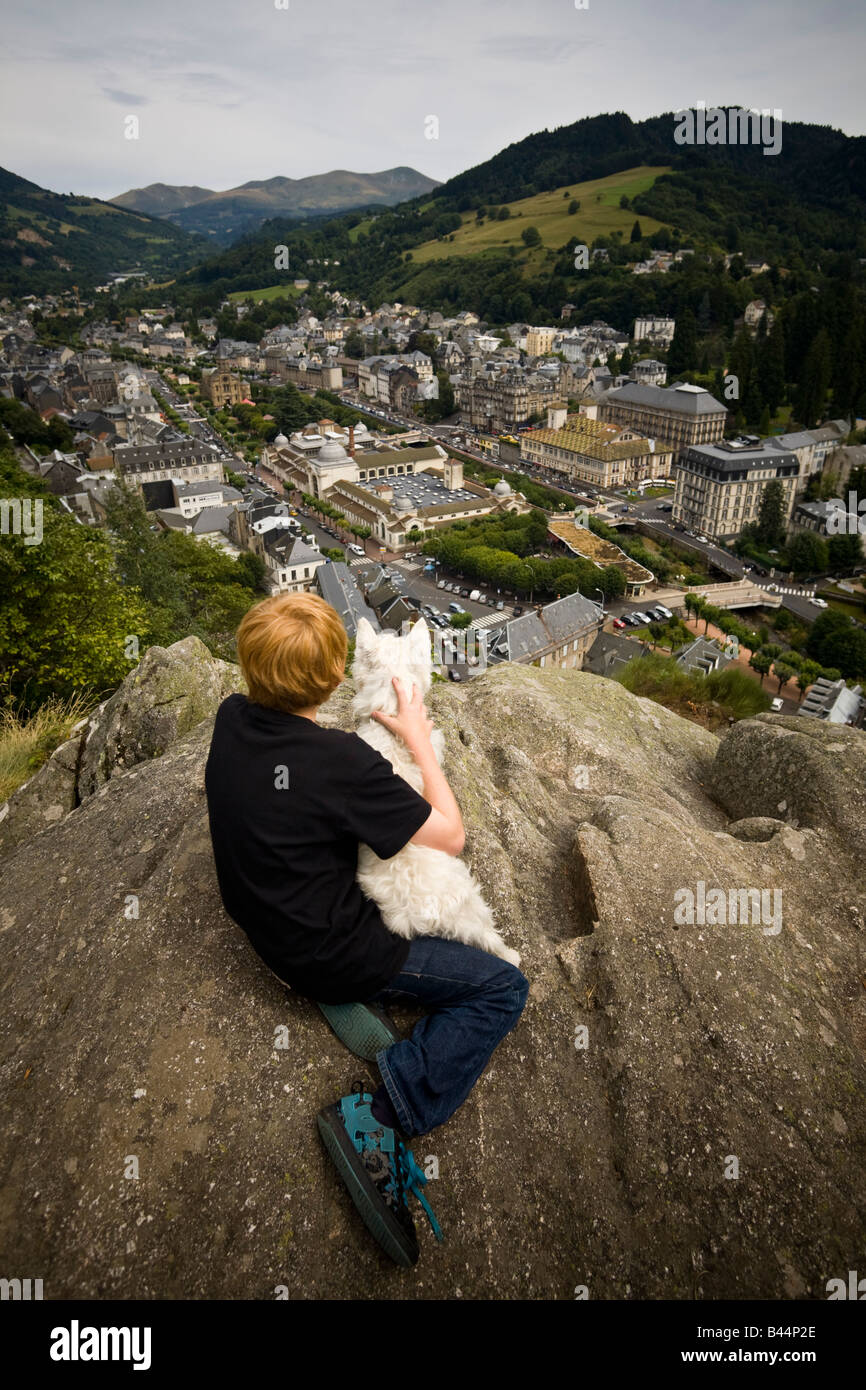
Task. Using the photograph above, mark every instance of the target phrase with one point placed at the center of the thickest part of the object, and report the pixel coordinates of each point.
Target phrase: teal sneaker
(364, 1028)
(380, 1173)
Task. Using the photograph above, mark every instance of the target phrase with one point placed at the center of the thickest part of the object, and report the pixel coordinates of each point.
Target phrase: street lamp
(600, 591)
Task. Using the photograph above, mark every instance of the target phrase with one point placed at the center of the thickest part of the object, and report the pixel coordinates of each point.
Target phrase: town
(642, 482)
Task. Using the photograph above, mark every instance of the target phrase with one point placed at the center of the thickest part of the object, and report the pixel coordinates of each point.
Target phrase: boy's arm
(443, 828)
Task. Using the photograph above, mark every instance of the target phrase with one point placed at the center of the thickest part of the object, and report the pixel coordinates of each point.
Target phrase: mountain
(227, 215)
(158, 199)
(49, 241)
(461, 245)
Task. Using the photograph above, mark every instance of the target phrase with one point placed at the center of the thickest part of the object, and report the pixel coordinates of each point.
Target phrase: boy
(289, 802)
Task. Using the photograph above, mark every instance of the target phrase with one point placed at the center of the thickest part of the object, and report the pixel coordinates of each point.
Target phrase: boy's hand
(411, 722)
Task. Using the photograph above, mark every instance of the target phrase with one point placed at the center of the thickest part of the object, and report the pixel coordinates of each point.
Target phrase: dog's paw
(513, 957)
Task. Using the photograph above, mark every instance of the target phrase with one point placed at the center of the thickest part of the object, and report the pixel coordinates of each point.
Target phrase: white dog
(420, 891)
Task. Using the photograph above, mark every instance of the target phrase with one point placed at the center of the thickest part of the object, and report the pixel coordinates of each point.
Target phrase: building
(654, 329)
(223, 387)
(755, 311)
(679, 416)
(833, 702)
(500, 401)
(395, 492)
(184, 459)
(311, 376)
(337, 587)
(539, 341)
(558, 635)
(580, 541)
(292, 563)
(831, 518)
(609, 653)
(702, 656)
(719, 486)
(649, 372)
(588, 451)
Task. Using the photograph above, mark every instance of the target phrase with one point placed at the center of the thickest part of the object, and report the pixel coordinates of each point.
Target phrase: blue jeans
(476, 999)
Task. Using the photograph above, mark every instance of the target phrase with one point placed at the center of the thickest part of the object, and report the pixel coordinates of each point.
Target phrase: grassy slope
(271, 292)
(599, 214)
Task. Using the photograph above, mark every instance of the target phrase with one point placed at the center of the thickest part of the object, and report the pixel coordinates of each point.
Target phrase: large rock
(139, 1024)
(171, 691)
(800, 770)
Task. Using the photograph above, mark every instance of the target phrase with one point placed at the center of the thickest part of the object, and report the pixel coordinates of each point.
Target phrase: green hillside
(599, 214)
(49, 241)
(270, 292)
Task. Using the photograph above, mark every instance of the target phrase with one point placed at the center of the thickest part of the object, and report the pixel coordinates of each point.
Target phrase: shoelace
(414, 1178)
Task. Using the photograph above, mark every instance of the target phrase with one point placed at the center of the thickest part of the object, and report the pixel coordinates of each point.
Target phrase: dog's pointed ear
(365, 637)
(420, 636)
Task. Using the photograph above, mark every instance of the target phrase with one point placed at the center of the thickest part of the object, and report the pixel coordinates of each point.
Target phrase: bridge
(741, 594)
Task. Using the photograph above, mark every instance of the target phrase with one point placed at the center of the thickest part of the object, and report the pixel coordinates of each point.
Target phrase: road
(650, 511)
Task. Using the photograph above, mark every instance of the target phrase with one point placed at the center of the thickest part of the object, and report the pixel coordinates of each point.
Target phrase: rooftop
(684, 398)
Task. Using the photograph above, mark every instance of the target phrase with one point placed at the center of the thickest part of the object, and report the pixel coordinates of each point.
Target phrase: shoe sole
(383, 1227)
(363, 1028)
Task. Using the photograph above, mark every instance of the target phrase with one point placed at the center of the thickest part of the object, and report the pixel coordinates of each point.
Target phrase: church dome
(280, 439)
(332, 453)
(502, 488)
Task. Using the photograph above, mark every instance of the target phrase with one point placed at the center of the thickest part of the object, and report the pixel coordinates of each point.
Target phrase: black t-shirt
(288, 803)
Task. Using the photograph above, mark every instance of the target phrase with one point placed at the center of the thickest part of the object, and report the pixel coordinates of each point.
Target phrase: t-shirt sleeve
(380, 808)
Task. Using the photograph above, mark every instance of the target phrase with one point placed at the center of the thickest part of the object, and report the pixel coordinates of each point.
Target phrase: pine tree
(771, 516)
(636, 233)
(771, 367)
(683, 351)
(812, 395)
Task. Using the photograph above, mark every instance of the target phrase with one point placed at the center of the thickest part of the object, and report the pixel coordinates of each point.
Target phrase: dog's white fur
(420, 891)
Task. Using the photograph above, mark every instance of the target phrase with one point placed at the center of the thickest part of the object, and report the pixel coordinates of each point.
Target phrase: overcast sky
(231, 90)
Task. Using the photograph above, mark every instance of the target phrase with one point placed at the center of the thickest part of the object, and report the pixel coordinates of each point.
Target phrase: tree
(530, 236)
(624, 201)
(845, 552)
(771, 367)
(573, 207)
(65, 616)
(832, 641)
(783, 673)
(761, 662)
(812, 394)
(807, 675)
(683, 351)
(636, 233)
(808, 554)
(771, 515)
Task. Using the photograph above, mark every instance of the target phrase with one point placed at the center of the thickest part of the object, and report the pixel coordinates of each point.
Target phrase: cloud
(125, 98)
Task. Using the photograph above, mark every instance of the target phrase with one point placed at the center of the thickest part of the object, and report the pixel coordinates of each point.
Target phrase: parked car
(456, 608)
(499, 606)
(818, 602)
(665, 612)
(357, 549)
(440, 584)
(518, 609)
(618, 624)
(454, 675)
(464, 593)
(777, 705)
(475, 595)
